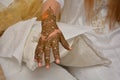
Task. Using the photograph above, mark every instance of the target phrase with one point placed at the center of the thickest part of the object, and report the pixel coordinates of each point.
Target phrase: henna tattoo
(50, 38)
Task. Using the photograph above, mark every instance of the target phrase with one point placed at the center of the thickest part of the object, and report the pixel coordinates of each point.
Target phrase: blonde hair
(113, 12)
(19, 10)
(89, 12)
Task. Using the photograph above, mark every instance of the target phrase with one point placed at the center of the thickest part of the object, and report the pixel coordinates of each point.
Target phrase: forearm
(54, 5)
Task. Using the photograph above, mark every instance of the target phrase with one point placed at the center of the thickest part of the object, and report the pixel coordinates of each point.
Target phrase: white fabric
(10, 66)
(84, 55)
(11, 53)
(39, 74)
(112, 52)
(6, 3)
(73, 12)
(30, 30)
(110, 47)
(13, 40)
(69, 32)
(107, 43)
(61, 2)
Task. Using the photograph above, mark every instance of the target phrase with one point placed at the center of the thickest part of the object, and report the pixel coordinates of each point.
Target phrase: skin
(54, 5)
(50, 35)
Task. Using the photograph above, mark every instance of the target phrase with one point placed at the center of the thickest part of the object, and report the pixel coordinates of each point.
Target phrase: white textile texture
(6, 3)
(108, 43)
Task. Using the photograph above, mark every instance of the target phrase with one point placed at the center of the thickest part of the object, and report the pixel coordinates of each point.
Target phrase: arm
(56, 7)
(50, 34)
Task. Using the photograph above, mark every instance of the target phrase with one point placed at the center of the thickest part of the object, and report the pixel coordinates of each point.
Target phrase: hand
(49, 39)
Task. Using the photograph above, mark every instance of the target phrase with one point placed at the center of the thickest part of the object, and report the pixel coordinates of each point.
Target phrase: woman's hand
(49, 39)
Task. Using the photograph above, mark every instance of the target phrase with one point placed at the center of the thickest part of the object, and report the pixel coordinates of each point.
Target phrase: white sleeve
(61, 2)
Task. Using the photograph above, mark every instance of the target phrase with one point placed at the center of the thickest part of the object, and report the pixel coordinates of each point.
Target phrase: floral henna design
(49, 39)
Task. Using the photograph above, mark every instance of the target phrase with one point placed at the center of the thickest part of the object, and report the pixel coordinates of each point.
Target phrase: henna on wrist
(49, 39)
(48, 22)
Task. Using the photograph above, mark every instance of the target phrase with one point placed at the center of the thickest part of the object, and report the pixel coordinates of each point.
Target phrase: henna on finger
(39, 52)
(64, 42)
(50, 38)
(55, 49)
(47, 54)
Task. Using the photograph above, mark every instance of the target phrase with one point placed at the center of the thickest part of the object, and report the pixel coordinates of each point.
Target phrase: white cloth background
(6, 3)
(107, 43)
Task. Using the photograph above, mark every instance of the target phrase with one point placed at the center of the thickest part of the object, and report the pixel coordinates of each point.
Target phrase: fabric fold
(69, 31)
(13, 40)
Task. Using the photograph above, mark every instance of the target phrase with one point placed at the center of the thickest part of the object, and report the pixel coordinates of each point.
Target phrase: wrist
(44, 16)
(48, 15)
(48, 22)
(61, 2)
(54, 5)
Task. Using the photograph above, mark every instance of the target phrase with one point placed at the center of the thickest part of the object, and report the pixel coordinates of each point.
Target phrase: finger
(53, 33)
(36, 54)
(38, 57)
(64, 42)
(55, 49)
(39, 53)
(47, 56)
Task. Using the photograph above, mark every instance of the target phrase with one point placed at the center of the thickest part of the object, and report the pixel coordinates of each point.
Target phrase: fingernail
(39, 64)
(70, 48)
(57, 61)
(35, 60)
(47, 67)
